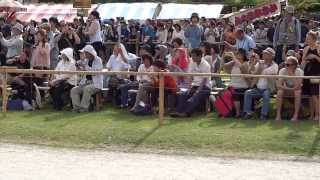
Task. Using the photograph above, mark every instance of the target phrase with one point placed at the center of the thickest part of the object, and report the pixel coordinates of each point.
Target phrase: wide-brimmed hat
(89, 49)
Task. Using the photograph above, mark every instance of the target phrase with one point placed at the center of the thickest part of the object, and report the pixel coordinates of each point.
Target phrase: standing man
(287, 34)
(15, 43)
(52, 34)
(194, 32)
(148, 31)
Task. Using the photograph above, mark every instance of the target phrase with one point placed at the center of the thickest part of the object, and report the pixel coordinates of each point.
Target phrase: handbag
(224, 103)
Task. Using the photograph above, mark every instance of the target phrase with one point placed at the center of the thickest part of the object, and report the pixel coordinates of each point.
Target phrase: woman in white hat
(63, 83)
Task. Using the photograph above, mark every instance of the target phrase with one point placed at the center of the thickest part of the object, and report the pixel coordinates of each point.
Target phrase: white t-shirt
(96, 37)
(271, 70)
(290, 82)
(116, 64)
(162, 36)
(142, 68)
(180, 35)
(260, 36)
(203, 67)
(212, 37)
(238, 82)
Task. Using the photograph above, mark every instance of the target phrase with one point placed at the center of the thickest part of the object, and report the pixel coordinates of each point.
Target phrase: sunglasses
(288, 65)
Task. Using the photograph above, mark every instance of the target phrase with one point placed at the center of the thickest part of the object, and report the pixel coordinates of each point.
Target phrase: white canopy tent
(183, 11)
(138, 11)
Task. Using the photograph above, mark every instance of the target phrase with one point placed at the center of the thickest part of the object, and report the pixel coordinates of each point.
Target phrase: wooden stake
(4, 93)
(319, 106)
(161, 99)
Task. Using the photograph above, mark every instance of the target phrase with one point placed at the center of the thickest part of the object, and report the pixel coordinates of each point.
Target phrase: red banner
(258, 12)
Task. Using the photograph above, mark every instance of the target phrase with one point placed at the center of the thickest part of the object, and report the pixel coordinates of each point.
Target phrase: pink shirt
(41, 56)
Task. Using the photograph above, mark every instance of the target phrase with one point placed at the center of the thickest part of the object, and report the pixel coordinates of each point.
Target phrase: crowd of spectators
(283, 45)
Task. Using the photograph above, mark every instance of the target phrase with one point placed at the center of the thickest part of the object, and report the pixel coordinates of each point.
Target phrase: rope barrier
(6, 70)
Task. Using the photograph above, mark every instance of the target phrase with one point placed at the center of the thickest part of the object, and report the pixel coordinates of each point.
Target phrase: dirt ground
(22, 162)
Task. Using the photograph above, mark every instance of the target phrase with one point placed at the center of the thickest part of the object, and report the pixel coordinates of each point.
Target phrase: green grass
(202, 135)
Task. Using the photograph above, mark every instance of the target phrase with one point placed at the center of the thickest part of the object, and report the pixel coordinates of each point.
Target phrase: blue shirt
(246, 43)
(125, 33)
(149, 31)
(193, 35)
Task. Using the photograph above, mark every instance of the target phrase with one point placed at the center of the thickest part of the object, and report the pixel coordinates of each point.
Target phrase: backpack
(224, 103)
(15, 104)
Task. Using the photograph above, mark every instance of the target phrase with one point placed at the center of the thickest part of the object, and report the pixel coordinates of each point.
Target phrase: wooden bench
(97, 98)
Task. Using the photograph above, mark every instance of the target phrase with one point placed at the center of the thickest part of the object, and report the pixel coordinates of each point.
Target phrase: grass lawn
(202, 135)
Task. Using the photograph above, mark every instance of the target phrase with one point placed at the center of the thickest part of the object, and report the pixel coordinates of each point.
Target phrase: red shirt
(169, 84)
(182, 60)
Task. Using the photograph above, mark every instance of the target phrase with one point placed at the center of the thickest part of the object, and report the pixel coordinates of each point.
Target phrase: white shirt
(260, 36)
(14, 45)
(180, 35)
(142, 68)
(203, 67)
(211, 35)
(116, 64)
(238, 82)
(271, 70)
(97, 35)
(66, 66)
(290, 82)
(162, 36)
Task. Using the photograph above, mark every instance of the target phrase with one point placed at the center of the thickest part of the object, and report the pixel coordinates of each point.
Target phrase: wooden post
(161, 98)
(319, 106)
(138, 42)
(4, 93)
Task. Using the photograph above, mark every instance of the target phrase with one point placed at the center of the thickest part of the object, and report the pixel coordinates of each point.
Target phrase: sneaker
(247, 116)
(83, 110)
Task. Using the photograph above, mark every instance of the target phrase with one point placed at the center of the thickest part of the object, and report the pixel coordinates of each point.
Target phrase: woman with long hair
(238, 65)
(93, 30)
(41, 53)
(311, 64)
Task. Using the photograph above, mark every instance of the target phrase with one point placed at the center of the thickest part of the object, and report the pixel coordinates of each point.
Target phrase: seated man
(200, 89)
(264, 87)
(89, 84)
(291, 87)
